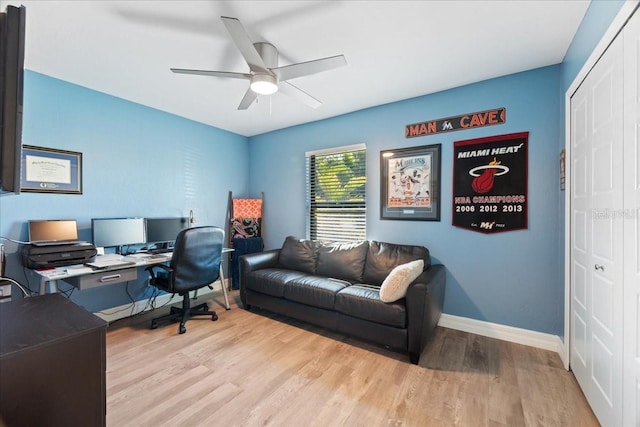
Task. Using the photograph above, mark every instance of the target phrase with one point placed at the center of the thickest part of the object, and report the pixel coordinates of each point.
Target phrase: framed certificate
(47, 170)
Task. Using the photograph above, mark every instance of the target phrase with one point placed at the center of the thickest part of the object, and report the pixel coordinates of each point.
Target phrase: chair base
(183, 314)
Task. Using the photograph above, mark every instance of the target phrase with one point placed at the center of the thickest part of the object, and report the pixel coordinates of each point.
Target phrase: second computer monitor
(110, 232)
(165, 230)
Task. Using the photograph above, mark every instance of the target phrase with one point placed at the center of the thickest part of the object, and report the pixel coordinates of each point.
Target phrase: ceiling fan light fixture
(264, 84)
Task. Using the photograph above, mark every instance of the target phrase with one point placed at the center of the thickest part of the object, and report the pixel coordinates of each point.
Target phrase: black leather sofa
(336, 286)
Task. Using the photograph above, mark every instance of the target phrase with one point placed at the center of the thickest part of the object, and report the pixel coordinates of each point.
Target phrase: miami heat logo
(483, 182)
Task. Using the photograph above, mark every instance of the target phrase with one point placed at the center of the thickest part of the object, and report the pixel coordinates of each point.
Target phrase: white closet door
(596, 236)
(631, 215)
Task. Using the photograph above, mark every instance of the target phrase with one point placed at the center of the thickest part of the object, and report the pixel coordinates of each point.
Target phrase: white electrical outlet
(5, 289)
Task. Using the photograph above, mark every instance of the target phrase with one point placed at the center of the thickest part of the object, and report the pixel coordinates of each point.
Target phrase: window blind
(335, 190)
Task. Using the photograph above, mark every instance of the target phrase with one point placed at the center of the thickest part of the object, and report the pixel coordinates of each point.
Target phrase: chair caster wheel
(182, 329)
(214, 317)
(154, 325)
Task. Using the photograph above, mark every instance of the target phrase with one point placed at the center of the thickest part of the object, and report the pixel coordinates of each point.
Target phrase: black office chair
(195, 263)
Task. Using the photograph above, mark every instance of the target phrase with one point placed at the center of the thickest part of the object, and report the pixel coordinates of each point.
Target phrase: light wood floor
(250, 369)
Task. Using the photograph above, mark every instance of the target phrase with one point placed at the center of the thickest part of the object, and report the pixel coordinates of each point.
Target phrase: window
(336, 202)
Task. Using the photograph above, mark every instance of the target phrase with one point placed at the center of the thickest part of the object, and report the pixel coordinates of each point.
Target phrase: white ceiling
(394, 49)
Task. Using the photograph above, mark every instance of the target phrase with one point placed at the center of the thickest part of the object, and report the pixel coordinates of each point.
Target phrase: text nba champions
(511, 203)
(490, 204)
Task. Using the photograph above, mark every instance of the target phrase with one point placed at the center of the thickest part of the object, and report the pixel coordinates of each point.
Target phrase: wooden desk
(52, 363)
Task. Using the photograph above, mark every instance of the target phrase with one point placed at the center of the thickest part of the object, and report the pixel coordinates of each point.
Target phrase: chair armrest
(152, 272)
(424, 301)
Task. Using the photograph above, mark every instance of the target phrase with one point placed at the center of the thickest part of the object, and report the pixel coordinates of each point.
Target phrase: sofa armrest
(259, 260)
(424, 301)
(255, 261)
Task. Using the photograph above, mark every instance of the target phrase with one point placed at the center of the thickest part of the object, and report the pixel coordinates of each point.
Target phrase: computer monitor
(117, 232)
(165, 230)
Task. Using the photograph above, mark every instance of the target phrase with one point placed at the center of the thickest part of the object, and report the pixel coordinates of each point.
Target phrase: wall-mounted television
(12, 42)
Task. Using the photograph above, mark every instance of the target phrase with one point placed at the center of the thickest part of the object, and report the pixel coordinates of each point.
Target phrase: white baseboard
(502, 332)
(127, 310)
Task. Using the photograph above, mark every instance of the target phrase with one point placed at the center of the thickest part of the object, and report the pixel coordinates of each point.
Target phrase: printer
(49, 256)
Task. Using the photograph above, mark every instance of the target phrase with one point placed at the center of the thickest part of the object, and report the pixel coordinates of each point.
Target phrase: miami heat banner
(490, 183)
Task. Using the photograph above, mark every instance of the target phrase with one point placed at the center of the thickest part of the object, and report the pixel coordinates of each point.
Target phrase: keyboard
(159, 251)
(147, 257)
(109, 260)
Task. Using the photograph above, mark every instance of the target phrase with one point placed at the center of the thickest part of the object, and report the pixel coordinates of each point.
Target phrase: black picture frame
(48, 170)
(410, 183)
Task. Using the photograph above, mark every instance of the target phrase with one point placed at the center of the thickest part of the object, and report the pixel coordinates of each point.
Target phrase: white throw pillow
(395, 285)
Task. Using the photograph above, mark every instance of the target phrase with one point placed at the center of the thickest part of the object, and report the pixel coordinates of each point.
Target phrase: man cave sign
(490, 183)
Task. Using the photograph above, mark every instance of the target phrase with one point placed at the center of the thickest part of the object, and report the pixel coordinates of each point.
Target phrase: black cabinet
(52, 364)
(241, 247)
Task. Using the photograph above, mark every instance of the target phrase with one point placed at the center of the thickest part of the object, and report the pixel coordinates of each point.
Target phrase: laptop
(53, 232)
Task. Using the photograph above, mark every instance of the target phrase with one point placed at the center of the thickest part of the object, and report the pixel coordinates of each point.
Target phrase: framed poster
(47, 170)
(490, 183)
(410, 183)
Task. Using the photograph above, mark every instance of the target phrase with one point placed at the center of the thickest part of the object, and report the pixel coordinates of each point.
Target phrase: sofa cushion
(342, 260)
(314, 290)
(298, 254)
(395, 285)
(270, 281)
(384, 257)
(364, 302)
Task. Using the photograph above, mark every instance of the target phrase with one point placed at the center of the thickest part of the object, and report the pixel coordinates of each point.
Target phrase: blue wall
(508, 278)
(514, 279)
(137, 161)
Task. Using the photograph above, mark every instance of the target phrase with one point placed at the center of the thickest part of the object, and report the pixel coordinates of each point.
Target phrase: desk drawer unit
(103, 278)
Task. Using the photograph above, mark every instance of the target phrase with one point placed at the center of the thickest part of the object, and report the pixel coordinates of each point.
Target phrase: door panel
(602, 169)
(603, 363)
(631, 214)
(580, 232)
(596, 240)
(603, 309)
(579, 345)
(603, 226)
(580, 359)
(580, 274)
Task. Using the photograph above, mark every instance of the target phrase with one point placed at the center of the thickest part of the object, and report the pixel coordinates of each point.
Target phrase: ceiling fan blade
(297, 93)
(311, 67)
(245, 76)
(244, 44)
(247, 100)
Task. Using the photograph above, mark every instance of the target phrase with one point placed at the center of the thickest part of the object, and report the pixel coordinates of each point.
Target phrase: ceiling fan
(265, 76)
